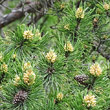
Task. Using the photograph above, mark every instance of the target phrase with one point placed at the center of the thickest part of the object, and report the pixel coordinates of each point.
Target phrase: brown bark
(19, 13)
(100, 47)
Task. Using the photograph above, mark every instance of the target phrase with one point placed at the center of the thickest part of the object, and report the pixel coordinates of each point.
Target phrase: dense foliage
(63, 65)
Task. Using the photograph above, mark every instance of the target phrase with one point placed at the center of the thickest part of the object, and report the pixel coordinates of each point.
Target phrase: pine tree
(64, 66)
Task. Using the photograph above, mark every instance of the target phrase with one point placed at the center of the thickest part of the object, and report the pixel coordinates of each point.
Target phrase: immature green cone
(20, 97)
(81, 78)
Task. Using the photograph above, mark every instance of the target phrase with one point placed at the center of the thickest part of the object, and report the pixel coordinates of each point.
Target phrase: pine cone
(81, 78)
(20, 97)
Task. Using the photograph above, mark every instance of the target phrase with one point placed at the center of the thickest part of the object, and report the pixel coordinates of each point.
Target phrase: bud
(16, 80)
(14, 56)
(29, 77)
(80, 13)
(90, 100)
(105, 36)
(85, 46)
(66, 27)
(98, 11)
(51, 56)
(38, 34)
(59, 96)
(95, 22)
(62, 6)
(106, 6)
(93, 57)
(99, 90)
(26, 66)
(4, 68)
(28, 35)
(68, 47)
(95, 70)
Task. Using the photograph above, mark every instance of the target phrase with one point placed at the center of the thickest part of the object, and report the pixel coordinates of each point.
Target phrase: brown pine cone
(20, 97)
(81, 78)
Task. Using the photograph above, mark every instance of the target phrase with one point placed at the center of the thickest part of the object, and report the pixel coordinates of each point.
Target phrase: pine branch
(76, 30)
(100, 48)
(2, 1)
(17, 13)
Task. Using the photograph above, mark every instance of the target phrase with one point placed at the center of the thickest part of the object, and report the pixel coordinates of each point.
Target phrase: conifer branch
(19, 12)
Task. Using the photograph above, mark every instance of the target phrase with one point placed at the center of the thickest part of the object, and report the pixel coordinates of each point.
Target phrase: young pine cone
(20, 97)
(81, 78)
